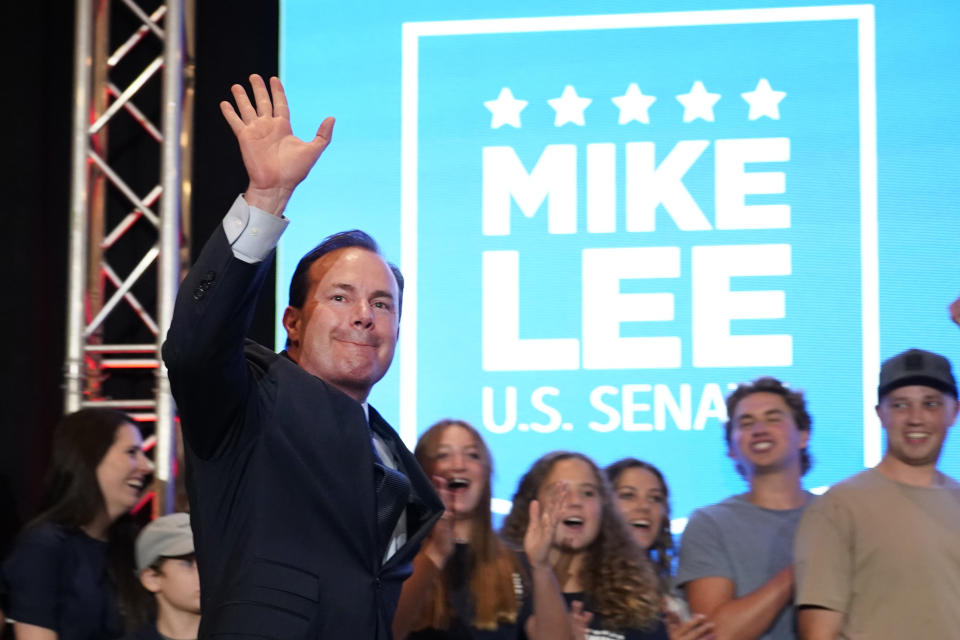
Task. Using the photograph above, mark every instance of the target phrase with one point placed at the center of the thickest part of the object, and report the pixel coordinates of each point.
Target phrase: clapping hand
(440, 543)
(579, 620)
(698, 627)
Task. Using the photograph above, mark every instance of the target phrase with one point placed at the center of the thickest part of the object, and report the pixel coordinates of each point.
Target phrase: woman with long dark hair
(643, 499)
(596, 561)
(73, 561)
(466, 583)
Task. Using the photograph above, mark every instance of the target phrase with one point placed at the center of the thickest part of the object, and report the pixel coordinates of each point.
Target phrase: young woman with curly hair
(644, 502)
(466, 583)
(595, 558)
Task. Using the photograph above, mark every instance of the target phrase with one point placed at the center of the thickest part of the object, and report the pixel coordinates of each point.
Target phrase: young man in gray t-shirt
(736, 556)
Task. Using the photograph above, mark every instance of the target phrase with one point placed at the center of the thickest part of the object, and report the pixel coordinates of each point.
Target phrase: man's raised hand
(275, 159)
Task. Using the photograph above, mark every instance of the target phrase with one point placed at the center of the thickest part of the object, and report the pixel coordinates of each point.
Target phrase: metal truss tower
(129, 237)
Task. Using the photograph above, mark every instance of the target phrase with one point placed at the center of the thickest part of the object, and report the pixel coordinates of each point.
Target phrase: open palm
(276, 160)
(542, 526)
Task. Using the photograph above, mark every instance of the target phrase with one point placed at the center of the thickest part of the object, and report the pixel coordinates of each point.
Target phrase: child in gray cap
(168, 569)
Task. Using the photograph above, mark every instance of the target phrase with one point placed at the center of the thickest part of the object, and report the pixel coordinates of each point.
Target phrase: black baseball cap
(919, 367)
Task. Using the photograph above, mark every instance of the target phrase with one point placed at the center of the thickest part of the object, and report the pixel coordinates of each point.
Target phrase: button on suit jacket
(280, 474)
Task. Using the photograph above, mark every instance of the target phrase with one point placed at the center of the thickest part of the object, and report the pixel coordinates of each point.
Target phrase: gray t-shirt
(744, 543)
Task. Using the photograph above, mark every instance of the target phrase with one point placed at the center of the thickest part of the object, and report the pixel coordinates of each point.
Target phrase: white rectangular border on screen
(862, 13)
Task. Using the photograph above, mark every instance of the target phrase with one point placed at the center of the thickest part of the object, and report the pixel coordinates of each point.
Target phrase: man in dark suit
(306, 506)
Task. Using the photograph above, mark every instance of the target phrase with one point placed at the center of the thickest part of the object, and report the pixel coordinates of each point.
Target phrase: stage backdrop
(609, 213)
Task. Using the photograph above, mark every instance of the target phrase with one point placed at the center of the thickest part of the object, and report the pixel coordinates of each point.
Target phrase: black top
(597, 631)
(146, 632)
(57, 579)
(457, 572)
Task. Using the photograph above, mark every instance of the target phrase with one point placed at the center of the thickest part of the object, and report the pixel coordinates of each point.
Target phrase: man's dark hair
(300, 283)
(794, 400)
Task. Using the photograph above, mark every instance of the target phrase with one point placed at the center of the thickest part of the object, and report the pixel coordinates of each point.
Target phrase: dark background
(232, 40)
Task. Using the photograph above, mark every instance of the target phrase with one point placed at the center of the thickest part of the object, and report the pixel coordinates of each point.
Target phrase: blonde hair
(491, 565)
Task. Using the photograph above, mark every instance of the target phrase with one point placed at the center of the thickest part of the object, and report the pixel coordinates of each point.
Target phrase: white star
(505, 109)
(634, 105)
(698, 103)
(569, 107)
(764, 101)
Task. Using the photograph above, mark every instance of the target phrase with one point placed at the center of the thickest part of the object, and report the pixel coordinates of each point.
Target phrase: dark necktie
(393, 493)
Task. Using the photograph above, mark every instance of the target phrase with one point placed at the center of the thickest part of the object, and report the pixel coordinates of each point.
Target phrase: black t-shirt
(461, 601)
(146, 632)
(56, 578)
(597, 632)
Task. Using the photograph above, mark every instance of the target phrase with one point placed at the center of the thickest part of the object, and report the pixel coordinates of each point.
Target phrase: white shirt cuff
(251, 232)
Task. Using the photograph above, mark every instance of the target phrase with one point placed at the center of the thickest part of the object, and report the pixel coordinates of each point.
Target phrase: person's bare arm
(23, 631)
(818, 623)
(955, 311)
(415, 590)
(427, 568)
(276, 160)
(550, 620)
(740, 618)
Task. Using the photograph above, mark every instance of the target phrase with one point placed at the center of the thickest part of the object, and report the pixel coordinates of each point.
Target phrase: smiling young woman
(643, 500)
(595, 558)
(74, 559)
(466, 580)
(467, 584)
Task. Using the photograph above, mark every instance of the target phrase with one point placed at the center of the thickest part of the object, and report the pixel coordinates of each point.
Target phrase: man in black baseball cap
(916, 367)
(874, 557)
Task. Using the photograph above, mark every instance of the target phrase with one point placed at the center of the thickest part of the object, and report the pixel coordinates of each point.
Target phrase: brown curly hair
(662, 551)
(619, 583)
(491, 564)
(794, 400)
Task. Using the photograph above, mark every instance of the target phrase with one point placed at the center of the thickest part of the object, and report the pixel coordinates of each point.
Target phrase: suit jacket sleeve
(209, 376)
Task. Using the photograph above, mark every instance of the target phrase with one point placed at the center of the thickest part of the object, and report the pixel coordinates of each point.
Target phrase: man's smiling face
(916, 419)
(346, 331)
(765, 438)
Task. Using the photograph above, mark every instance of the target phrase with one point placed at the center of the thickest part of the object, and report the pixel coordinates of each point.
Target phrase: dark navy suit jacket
(280, 474)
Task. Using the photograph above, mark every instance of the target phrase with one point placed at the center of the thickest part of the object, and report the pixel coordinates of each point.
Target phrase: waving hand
(275, 159)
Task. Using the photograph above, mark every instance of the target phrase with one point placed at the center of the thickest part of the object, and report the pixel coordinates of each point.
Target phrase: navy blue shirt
(56, 578)
(597, 628)
(147, 632)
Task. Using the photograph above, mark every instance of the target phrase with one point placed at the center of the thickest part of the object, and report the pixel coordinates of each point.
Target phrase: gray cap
(166, 537)
(916, 367)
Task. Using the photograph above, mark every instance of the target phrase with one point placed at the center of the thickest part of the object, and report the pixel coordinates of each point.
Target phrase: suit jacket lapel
(424, 507)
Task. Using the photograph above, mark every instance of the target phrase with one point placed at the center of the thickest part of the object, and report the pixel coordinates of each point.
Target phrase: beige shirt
(885, 554)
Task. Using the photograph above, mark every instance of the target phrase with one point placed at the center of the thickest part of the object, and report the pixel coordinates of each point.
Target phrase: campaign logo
(609, 221)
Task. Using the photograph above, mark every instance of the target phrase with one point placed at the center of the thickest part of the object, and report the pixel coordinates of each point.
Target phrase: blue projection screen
(608, 214)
